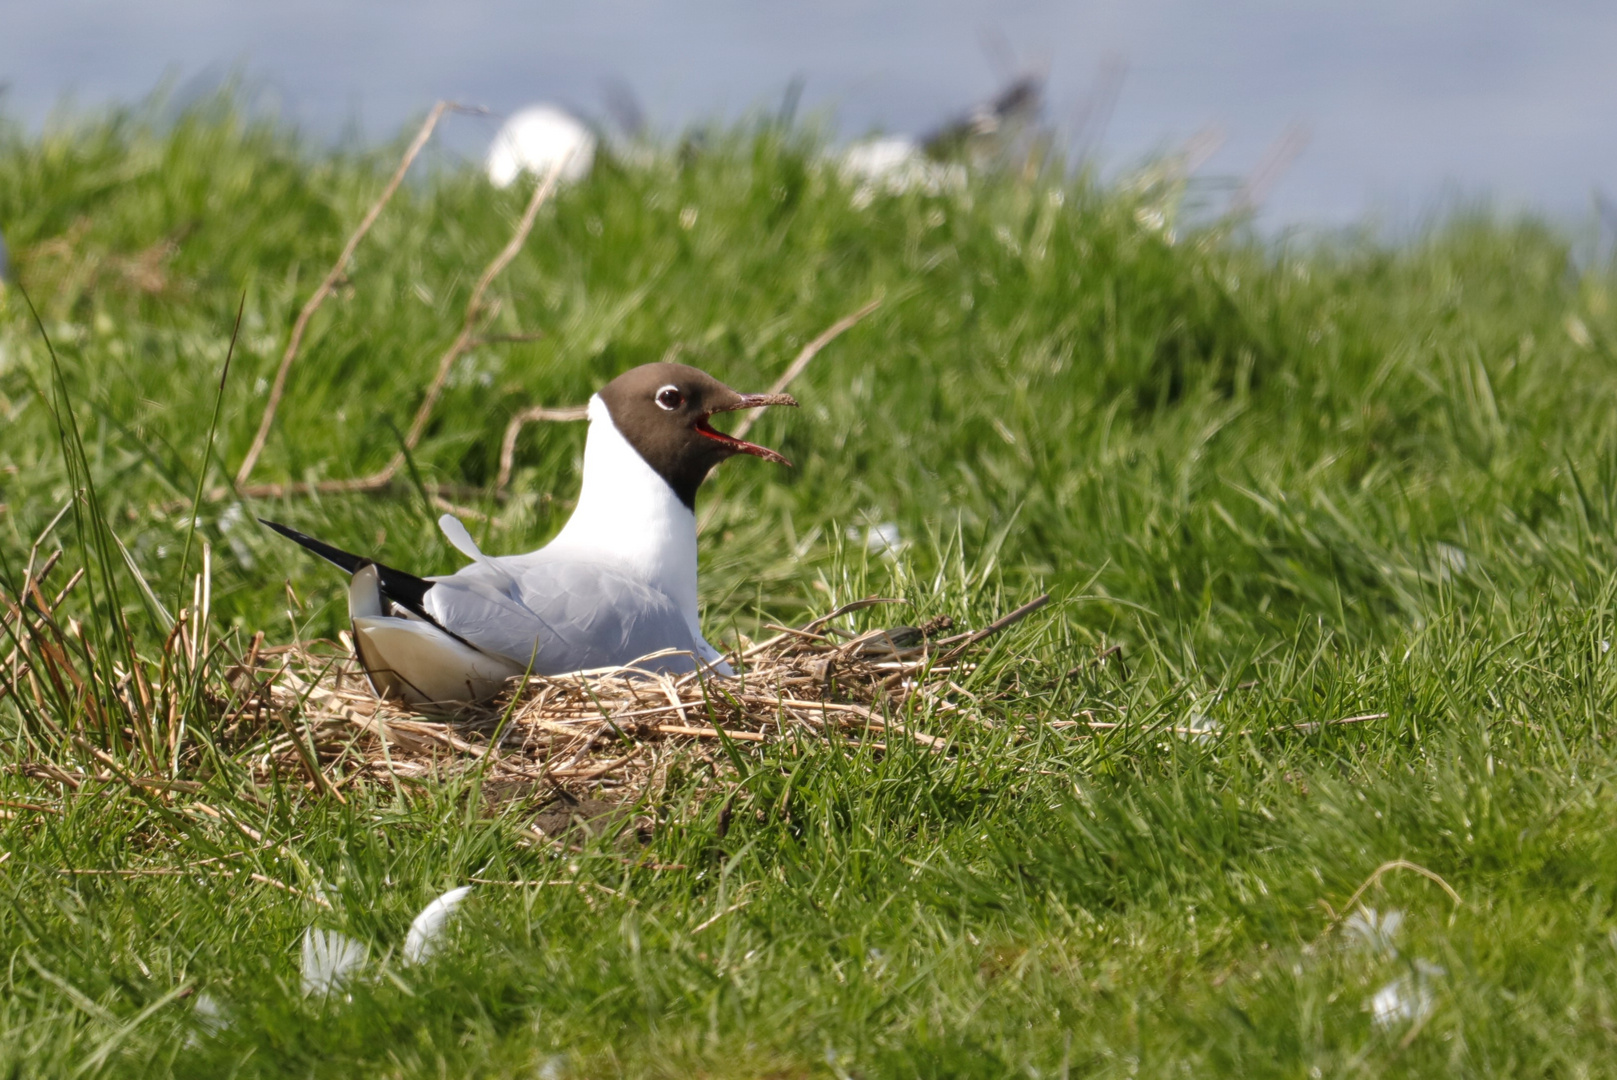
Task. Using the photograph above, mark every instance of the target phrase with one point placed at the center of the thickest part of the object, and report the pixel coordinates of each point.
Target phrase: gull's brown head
(663, 411)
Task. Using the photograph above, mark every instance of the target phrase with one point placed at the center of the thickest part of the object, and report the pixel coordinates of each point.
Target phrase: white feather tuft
(427, 931)
(329, 958)
(1408, 998)
(1376, 932)
(209, 1018)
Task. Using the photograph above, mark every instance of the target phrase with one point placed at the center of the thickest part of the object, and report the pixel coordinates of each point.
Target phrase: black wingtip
(401, 587)
(337, 557)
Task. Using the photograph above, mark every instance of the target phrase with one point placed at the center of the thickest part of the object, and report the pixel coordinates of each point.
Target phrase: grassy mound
(1329, 526)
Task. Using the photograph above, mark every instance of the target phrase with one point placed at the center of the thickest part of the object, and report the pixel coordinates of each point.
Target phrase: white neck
(627, 515)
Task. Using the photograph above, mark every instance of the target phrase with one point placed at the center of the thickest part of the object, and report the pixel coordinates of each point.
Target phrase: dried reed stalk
(531, 415)
(318, 297)
(1248, 198)
(474, 313)
(464, 341)
(809, 352)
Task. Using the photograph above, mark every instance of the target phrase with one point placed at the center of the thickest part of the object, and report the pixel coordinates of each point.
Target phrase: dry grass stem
(1388, 867)
(1208, 732)
(1275, 161)
(808, 353)
(530, 415)
(318, 297)
(477, 308)
(474, 314)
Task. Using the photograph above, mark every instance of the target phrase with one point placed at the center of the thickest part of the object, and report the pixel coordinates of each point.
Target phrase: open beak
(741, 446)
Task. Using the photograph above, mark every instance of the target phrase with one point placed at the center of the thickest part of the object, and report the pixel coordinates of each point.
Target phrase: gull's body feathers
(616, 584)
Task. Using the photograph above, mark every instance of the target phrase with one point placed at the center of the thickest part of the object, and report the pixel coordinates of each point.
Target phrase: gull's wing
(608, 617)
(480, 609)
(560, 614)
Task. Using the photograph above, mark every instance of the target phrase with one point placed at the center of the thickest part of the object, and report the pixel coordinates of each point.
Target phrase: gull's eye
(670, 398)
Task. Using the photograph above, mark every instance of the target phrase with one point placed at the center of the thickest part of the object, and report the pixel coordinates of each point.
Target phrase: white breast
(629, 517)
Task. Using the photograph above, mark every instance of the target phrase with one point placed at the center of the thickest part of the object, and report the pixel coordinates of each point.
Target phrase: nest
(612, 730)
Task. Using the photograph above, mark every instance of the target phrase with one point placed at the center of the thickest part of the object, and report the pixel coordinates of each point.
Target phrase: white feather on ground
(427, 931)
(1411, 997)
(210, 1014)
(882, 539)
(209, 1017)
(536, 140)
(1408, 998)
(329, 958)
(1374, 931)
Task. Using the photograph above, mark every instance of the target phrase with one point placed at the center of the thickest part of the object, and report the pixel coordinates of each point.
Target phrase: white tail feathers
(365, 594)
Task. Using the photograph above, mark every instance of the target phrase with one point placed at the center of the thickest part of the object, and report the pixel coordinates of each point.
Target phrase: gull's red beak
(741, 446)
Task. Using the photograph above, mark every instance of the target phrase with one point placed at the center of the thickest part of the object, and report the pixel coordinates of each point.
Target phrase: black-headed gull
(616, 584)
(538, 139)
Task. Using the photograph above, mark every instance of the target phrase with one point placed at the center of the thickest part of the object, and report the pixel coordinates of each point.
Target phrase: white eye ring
(669, 403)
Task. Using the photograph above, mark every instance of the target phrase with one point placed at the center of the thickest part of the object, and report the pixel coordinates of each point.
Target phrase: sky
(1393, 110)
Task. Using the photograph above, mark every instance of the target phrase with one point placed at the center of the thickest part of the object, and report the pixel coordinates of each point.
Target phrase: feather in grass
(1200, 729)
(1378, 933)
(1410, 998)
(329, 959)
(208, 1017)
(1407, 999)
(427, 931)
(210, 1014)
(883, 538)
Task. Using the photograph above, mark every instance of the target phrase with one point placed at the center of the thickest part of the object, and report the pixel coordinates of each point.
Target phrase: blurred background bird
(538, 139)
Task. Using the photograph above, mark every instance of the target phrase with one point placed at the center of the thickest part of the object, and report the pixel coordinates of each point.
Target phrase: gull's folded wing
(563, 615)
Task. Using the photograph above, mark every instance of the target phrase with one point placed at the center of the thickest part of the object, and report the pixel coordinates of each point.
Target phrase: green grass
(1295, 482)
